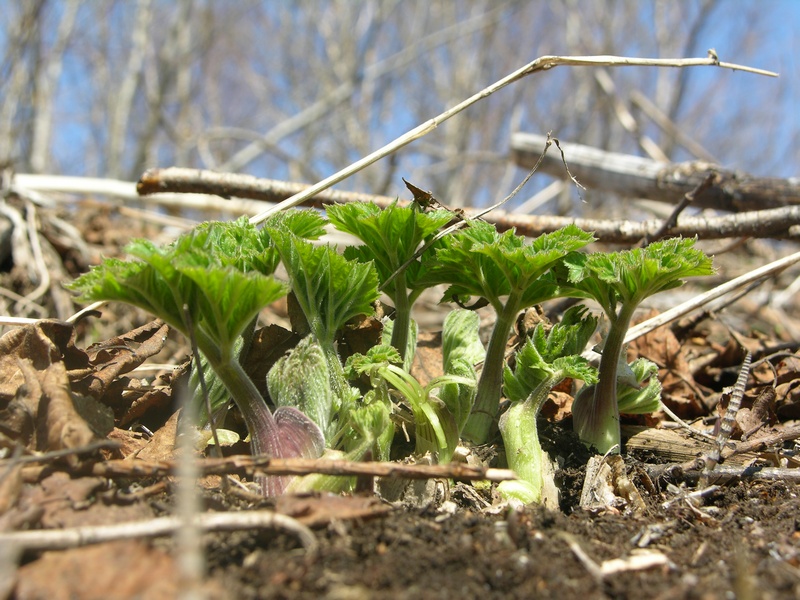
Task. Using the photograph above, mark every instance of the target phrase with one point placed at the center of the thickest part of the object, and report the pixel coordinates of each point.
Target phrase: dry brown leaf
(42, 343)
(10, 487)
(120, 355)
(64, 427)
(128, 569)
(427, 363)
(680, 391)
(162, 445)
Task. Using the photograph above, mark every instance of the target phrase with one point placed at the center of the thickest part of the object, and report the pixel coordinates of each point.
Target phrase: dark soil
(743, 544)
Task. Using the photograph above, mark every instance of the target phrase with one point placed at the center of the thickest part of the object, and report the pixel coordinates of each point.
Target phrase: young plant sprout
(330, 290)
(546, 359)
(391, 236)
(462, 349)
(435, 426)
(511, 275)
(212, 273)
(302, 379)
(619, 282)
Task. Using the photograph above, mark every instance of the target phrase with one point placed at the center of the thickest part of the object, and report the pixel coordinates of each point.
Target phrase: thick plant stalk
(490, 385)
(521, 439)
(287, 433)
(402, 317)
(599, 424)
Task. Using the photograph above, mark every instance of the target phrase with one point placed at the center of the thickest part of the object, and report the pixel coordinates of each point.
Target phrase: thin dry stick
(543, 63)
(59, 539)
(250, 465)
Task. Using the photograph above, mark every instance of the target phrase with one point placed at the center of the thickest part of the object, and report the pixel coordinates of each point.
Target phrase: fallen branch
(725, 473)
(774, 223)
(73, 537)
(637, 177)
(251, 465)
(543, 63)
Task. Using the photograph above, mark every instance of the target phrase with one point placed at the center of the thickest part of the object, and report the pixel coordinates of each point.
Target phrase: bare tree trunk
(121, 109)
(46, 86)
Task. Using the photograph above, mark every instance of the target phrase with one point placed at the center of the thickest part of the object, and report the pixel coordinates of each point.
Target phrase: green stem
(339, 385)
(490, 385)
(256, 414)
(521, 437)
(402, 316)
(602, 429)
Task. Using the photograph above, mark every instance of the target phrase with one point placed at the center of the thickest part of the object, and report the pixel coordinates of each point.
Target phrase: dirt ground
(653, 539)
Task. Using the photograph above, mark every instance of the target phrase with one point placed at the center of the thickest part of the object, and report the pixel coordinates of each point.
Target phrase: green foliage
(435, 427)
(619, 282)
(630, 276)
(479, 261)
(330, 289)
(205, 286)
(212, 282)
(461, 350)
(391, 237)
(546, 359)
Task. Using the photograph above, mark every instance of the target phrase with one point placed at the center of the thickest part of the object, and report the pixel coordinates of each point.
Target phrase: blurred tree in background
(297, 90)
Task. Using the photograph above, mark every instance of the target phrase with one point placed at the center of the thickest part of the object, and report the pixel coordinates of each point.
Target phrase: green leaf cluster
(210, 284)
(546, 359)
(391, 237)
(619, 282)
(511, 274)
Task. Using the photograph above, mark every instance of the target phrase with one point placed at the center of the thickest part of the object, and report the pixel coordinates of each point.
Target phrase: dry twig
(59, 539)
(543, 63)
(249, 465)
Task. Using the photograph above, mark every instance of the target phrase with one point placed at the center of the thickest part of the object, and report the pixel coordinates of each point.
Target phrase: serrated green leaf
(638, 400)
(478, 261)
(330, 289)
(376, 358)
(229, 299)
(307, 224)
(630, 276)
(549, 356)
(391, 236)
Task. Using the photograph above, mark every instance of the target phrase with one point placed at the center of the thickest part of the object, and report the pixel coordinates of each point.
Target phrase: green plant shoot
(511, 275)
(546, 359)
(462, 349)
(619, 282)
(391, 236)
(435, 427)
(222, 291)
(330, 290)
